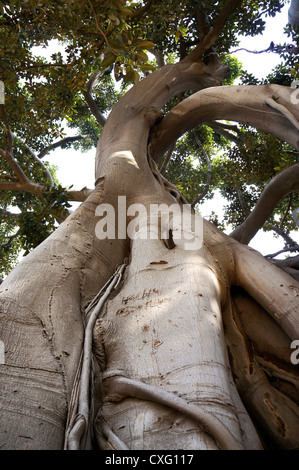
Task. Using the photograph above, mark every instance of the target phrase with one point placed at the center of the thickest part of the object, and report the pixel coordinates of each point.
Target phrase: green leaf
(146, 45)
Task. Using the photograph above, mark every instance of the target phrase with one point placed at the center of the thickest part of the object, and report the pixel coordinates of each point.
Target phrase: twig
(291, 249)
(10, 240)
(214, 33)
(286, 212)
(138, 13)
(60, 143)
(5, 213)
(272, 48)
(97, 23)
(289, 241)
(47, 173)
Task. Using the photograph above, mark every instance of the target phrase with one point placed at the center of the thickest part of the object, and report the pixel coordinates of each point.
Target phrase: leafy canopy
(103, 49)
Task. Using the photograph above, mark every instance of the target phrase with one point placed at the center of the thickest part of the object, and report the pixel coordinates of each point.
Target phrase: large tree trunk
(164, 332)
(161, 346)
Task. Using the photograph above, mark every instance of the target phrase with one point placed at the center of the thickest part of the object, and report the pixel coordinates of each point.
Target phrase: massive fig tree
(127, 331)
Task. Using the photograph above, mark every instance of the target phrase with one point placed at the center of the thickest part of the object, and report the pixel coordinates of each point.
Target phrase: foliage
(45, 97)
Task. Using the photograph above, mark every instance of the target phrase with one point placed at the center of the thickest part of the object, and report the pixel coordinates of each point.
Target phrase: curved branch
(91, 102)
(284, 183)
(60, 143)
(289, 265)
(14, 166)
(243, 103)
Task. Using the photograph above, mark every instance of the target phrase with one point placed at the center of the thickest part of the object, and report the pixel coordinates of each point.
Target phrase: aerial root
(283, 110)
(123, 387)
(78, 421)
(276, 413)
(105, 437)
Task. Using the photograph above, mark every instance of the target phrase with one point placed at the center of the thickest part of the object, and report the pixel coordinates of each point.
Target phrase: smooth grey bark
(293, 13)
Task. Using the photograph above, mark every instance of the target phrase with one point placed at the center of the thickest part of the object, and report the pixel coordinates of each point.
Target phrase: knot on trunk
(153, 115)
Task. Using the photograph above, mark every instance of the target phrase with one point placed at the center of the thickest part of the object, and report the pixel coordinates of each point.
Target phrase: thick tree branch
(202, 23)
(214, 33)
(245, 104)
(269, 286)
(284, 183)
(28, 186)
(14, 166)
(289, 265)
